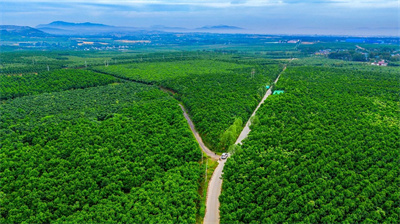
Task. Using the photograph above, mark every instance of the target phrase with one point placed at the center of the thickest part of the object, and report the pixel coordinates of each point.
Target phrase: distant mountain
(55, 31)
(95, 29)
(11, 30)
(62, 24)
(67, 28)
(220, 27)
(85, 29)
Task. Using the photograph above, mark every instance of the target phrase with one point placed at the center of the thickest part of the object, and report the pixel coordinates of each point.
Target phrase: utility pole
(48, 68)
(253, 72)
(205, 180)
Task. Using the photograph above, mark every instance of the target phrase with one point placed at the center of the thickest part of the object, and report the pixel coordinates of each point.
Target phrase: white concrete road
(213, 192)
(215, 184)
(246, 130)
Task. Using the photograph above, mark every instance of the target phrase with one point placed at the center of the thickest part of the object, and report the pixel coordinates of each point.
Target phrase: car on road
(224, 155)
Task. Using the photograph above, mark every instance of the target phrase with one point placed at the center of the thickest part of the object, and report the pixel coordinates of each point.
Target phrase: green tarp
(278, 92)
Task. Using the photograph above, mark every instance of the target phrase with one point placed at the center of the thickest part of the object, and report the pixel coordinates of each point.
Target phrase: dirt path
(197, 136)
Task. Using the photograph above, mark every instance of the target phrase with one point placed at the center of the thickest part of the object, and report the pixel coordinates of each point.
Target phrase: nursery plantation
(99, 136)
(325, 151)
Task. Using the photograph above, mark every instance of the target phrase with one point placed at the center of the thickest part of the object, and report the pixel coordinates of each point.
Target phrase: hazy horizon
(315, 17)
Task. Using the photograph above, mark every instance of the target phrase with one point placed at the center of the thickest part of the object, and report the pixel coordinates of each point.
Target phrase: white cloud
(367, 3)
(284, 16)
(229, 3)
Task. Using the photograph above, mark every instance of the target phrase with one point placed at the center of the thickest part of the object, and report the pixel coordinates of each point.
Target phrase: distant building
(293, 41)
(380, 63)
(323, 52)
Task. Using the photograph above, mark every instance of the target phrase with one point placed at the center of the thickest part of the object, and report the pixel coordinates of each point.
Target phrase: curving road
(197, 136)
(215, 184)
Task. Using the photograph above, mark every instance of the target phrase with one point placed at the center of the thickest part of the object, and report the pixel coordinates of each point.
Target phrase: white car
(224, 155)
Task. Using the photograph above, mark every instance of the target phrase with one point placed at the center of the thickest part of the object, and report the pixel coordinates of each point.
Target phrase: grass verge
(211, 164)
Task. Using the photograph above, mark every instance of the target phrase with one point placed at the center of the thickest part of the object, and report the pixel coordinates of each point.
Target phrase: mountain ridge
(11, 30)
(69, 24)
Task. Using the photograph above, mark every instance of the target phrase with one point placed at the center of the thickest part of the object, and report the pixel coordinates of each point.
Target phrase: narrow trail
(167, 90)
(215, 184)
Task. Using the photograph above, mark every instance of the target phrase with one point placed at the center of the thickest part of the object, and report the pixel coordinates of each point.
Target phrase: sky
(320, 17)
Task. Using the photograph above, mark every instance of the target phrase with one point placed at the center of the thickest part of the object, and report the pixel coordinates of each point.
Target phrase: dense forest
(216, 92)
(33, 62)
(114, 153)
(81, 143)
(325, 151)
(12, 86)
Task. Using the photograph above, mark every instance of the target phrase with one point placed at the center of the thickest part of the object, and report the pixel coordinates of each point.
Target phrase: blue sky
(332, 17)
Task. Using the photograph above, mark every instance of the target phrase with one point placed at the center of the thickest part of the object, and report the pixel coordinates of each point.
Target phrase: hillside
(11, 30)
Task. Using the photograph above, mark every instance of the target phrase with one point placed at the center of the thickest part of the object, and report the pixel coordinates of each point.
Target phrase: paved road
(215, 184)
(197, 136)
(246, 130)
(213, 192)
